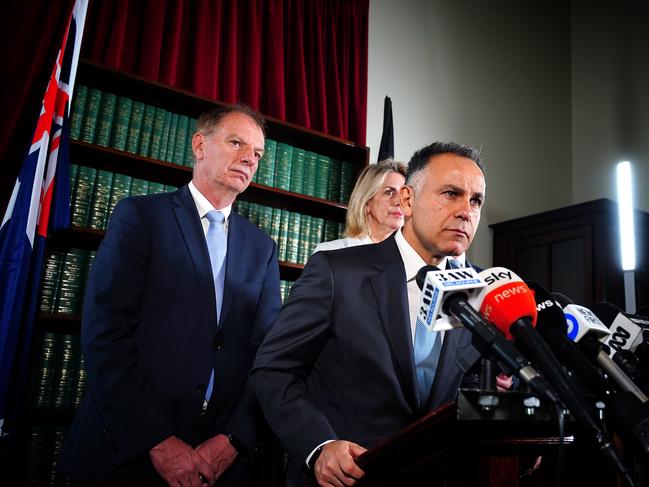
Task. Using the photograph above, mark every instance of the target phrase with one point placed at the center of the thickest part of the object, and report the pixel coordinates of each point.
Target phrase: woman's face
(383, 212)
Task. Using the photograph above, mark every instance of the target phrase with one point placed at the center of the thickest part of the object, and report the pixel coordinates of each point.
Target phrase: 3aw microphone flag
(39, 204)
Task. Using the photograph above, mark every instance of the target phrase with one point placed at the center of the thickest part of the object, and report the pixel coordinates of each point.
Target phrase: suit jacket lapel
(234, 262)
(194, 237)
(394, 313)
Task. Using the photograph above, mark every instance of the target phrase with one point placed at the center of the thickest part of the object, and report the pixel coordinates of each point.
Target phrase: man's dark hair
(210, 119)
(422, 157)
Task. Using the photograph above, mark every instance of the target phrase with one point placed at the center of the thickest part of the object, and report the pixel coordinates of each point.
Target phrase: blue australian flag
(39, 204)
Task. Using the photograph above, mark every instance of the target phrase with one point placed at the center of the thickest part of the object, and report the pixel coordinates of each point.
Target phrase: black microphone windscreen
(550, 317)
(606, 312)
(644, 311)
(421, 274)
(562, 299)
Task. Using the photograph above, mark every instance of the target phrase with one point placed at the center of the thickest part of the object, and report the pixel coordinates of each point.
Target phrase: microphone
(592, 330)
(630, 415)
(445, 292)
(508, 303)
(625, 340)
(551, 325)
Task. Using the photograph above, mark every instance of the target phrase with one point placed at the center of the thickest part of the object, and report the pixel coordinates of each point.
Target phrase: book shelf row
(45, 445)
(59, 380)
(129, 125)
(121, 123)
(64, 280)
(95, 192)
(296, 234)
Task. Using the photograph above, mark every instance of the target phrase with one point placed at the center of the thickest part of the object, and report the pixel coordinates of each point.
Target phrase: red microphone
(505, 300)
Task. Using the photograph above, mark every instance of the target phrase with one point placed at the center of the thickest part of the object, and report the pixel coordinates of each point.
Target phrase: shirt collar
(413, 261)
(203, 205)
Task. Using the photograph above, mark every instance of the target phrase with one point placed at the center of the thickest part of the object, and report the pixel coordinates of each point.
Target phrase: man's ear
(197, 145)
(406, 198)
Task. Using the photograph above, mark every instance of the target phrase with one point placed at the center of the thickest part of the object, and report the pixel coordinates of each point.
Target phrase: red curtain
(303, 61)
(30, 38)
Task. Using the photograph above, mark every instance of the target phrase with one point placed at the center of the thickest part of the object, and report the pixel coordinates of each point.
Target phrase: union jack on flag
(39, 204)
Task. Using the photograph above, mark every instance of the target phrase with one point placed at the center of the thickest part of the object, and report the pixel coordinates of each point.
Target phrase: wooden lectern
(475, 441)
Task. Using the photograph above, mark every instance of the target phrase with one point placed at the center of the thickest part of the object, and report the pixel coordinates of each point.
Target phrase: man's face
(443, 215)
(227, 158)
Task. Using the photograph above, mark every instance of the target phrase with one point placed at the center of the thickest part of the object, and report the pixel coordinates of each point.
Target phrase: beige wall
(494, 75)
(610, 97)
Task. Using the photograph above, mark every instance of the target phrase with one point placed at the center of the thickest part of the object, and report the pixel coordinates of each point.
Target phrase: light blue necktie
(217, 245)
(427, 348)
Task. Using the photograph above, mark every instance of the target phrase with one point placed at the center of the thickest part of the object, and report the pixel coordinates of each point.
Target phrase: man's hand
(336, 466)
(503, 382)
(219, 453)
(180, 465)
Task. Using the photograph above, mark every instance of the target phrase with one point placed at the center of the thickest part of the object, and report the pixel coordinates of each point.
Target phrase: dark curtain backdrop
(303, 61)
(30, 37)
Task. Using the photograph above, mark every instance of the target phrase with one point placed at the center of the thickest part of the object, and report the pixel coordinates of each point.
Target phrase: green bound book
(170, 151)
(275, 224)
(293, 237)
(298, 163)
(164, 141)
(157, 133)
(43, 381)
(105, 119)
(283, 235)
(265, 218)
(304, 242)
(100, 200)
(322, 176)
(90, 115)
(81, 384)
(283, 155)
(317, 233)
(333, 194)
(346, 180)
(266, 169)
(148, 118)
(86, 272)
(82, 197)
(135, 127)
(189, 152)
(73, 169)
(76, 112)
(254, 214)
(120, 125)
(330, 230)
(51, 277)
(66, 371)
(170, 188)
(180, 145)
(243, 208)
(121, 189)
(139, 187)
(156, 188)
(310, 173)
(68, 295)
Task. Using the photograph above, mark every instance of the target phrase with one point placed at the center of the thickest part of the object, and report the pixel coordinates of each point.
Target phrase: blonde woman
(373, 213)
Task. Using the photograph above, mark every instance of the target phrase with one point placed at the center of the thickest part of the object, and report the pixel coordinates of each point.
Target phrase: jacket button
(200, 388)
(216, 345)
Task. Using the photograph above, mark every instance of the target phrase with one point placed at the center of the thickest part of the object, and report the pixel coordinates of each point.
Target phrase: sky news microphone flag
(39, 204)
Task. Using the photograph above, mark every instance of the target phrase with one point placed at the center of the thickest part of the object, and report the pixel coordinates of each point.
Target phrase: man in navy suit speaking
(181, 295)
(345, 365)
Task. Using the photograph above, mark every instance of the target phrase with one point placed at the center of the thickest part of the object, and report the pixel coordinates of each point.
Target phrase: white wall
(494, 75)
(610, 97)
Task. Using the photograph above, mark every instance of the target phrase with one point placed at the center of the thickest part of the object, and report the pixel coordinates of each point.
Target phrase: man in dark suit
(337, 373)
(178, 301)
